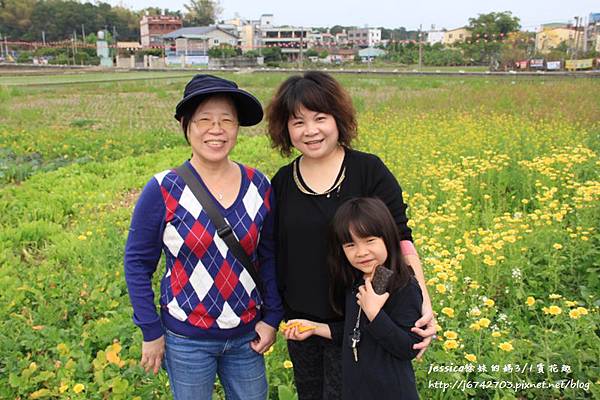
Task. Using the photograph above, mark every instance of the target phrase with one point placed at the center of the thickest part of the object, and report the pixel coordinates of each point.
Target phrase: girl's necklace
(355, 337)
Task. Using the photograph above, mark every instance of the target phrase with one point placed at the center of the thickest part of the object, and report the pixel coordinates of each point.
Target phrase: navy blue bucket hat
(201, 86)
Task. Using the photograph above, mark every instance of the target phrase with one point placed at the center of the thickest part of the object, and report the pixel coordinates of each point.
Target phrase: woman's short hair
(316, 91)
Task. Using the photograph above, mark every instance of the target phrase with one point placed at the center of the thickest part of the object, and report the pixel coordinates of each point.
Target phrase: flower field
(502, 176)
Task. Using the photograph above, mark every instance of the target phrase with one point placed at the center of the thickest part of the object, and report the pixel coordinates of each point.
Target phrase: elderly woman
(215, 319)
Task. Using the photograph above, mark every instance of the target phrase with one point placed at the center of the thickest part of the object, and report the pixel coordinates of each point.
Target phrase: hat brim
(249, 110)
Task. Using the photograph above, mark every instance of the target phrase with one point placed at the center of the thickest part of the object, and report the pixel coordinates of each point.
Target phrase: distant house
(457, 35)
(288, 38)
(370, 53)
(128, 47)
(550, 36)
(152, 28)
(593, 33)
(434, 37)
(198, 40)
(365, 37)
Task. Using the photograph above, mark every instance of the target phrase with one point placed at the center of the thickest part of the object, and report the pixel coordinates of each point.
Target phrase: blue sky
(388, 13)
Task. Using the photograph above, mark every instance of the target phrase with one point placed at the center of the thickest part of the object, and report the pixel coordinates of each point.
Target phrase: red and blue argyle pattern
(204, 283)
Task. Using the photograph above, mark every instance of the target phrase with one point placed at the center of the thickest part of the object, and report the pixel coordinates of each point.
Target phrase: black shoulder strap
(223, 228)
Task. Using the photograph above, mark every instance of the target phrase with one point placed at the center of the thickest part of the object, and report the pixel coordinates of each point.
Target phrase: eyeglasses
(207, 123)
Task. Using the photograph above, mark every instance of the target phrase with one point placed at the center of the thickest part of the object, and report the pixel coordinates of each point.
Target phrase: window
(215, 41)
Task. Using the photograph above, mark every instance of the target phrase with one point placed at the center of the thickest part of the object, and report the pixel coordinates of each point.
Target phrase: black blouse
(302, 224)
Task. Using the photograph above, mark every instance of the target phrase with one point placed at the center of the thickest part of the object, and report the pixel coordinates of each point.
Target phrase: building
(434, 37)
(365, 37)
(152, 28)
(458, 35)
(370, 53)
(341, 38)
(592, 33)
(550, 36)
(289, 38)
(197, 41)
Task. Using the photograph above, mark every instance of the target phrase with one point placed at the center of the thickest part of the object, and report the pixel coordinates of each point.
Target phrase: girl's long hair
(364, 217)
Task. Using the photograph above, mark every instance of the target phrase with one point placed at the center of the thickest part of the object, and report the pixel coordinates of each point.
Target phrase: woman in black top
(314, 114)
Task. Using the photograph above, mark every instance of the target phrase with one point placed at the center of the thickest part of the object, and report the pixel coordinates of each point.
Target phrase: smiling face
(365, 253)
(314, 134)
(213, 129)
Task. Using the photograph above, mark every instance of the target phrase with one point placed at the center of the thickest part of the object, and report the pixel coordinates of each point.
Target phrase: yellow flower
(448, 311)
(555, 296)
(78, 388)
(570, 303)
(287, 364)
(450, 344)
(582, 310)
(574, 314)
(63, 388)
(489, 302)
(82, 237)
(474, 285)
(63, 349)
(33, 366)
(557, 246)
(440, 288)
(506, 346)
(496, 334)
(552, 310)
(271, 349)
(484, 322)
(475, 326)
(471, 357)
(38, 394)
(442, 275)
(530, 301)
(450, 335)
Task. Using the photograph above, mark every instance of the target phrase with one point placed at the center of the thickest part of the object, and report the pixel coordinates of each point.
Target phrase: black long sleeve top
(302, 230)
(384, 369)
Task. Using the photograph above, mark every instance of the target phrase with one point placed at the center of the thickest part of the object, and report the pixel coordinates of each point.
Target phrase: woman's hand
(424, 327)
(369, 301)
(152, 354)
(266, 336)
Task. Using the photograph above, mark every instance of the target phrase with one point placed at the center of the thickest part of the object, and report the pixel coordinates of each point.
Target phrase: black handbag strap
(223, 228)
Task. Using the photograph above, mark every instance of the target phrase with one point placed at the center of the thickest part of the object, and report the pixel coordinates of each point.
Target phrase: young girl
(377, 342)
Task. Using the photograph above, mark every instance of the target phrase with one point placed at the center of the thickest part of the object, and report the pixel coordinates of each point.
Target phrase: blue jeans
(193, 363)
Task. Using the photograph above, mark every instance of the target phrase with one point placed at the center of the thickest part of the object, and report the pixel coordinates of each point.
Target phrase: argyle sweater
(205, 291)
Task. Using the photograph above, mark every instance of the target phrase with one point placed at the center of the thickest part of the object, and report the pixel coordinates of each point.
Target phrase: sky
(388, 13)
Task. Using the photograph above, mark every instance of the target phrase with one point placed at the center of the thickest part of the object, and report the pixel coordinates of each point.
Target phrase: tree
(488, 31)
(222, 51)
(202, 12)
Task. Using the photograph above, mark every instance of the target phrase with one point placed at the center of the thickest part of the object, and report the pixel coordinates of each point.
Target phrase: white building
(365, 37)
(434, 37)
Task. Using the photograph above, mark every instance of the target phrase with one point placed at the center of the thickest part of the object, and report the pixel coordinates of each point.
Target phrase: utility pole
(44, 38)
(420, 48)
(301, 45)
(574, 53)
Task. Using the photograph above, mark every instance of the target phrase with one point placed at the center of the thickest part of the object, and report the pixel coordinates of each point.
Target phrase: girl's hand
(369, 301)
(299, 329)
(152, 354)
